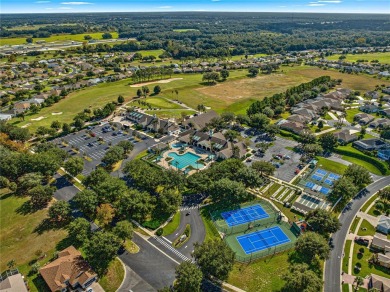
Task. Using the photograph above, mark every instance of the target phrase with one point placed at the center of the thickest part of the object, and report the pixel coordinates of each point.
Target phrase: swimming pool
(182, 161)
(177, 145)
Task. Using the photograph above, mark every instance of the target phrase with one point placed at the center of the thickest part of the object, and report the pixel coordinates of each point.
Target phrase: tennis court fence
(263, 253)
(223, 227)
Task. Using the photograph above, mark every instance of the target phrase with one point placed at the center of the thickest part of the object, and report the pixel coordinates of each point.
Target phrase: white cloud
(165, 7)
(76, 3)
(315, 4)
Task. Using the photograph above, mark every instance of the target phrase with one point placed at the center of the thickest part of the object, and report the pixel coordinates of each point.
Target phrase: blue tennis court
(262, 239)
(329, 182)
(333, 176)
(325, 190)
(244, 215)
(310, 184)
(321, 172)
(316, 177)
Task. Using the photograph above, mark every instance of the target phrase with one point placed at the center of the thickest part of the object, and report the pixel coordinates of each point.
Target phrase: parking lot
(95, 142)
(285, 171)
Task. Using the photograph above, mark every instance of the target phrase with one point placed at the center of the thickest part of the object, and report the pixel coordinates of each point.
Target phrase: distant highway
(332, 275)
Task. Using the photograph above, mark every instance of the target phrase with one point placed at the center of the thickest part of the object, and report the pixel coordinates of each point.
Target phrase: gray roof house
(383, 224)
(345, 136)
(380, 283)
(363, 118)
(200, 121)
(380, 123)
(370, 144)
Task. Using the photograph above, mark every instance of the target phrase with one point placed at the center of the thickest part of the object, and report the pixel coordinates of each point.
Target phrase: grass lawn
(369, 202)
(262, 275)
(367, 165)
(20, 241)
(374, 212)
(55, 38)
(170, 113)
(131, 247)
(354, 225)
(114, 277)
(272, 190)
(331, 165)
(381, 57)
(366, 267)
(366, 228)
(347, 249)
(211, 230)
(292, 215)
(171, 226)
(351, 113)
(156, 102)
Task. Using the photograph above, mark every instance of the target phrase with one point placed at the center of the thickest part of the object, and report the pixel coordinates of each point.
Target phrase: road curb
(124, 278)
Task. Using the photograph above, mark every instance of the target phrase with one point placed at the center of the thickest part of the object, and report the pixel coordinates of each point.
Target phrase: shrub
(379, 206)
(159, 232)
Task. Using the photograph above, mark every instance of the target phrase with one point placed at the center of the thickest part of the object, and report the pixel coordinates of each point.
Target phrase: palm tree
(359, 281)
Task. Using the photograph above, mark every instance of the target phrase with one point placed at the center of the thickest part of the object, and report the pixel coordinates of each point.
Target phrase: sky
(69, 6)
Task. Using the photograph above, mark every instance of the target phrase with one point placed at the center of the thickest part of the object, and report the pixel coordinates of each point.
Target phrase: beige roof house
(69, 269)
(380, 283)
(13, 283)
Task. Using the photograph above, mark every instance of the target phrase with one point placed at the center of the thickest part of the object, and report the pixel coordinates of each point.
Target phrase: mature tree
(188, 277)
(134, 204)
(243, 119)
(228, 191)
(41, 195)
(263, 167)
(169, 201)
(215, 258)
(60, 212)
(328, 142)
(249, 177)
(87, 37)
(311, 245)
(145, 91)
(139, 92)
(308, 138)
(121, 99)
(79, 123)
(359, 175)
(253, 72)
(199, 182)
(28, 181)
(101, 249)
(231, 135)
(113, 155)
(211, 77)
(74, 165)
(228, 117)
(19, 134)
(123, 230)
(106, 36)
(384, 194)
(322, 221)
(126, 145)
(259, 121)
(224, 74)
(157, 89)
(79, 231)
(300, 278)
(66, 128)
(29, 40)
(312, 150)
(320, 124)
(269, 112)
(345, 189)
(104, 214)
(87, 200)
(55, 125)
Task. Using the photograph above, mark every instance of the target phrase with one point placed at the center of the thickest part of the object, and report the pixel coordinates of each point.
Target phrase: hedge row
(382, 167)
(285, 133)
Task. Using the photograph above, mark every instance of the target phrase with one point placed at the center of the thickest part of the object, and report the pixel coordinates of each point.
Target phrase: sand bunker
(152, 82)
(38, 119)
(56, 114)
(26, 125)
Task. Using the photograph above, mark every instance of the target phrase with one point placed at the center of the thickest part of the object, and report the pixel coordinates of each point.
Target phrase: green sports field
(368, 57)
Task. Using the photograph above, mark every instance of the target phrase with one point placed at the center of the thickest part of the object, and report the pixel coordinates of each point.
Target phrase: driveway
(332, 277)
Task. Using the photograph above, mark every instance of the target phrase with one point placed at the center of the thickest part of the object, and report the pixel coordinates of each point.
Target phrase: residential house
(363, 118)
(309, 113)
(345, 136)
(152, 123)
(295, 127)
(372, 94)
(383, 224)
(5, 117)
(21, 107)
(299, 118)
(13, 283)
(380, 243)
(385, 112)
(369, 108)
(384, 154)
(69, 270)
(379, 283)
(386, 98)
(370, 144)
(380, 123)
(199, 122)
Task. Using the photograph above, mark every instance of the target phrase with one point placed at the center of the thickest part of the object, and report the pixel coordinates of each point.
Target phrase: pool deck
(166, 164)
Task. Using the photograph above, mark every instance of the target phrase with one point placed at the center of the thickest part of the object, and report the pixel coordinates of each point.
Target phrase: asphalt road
(65, 190)
(153, 267)
(332, 275)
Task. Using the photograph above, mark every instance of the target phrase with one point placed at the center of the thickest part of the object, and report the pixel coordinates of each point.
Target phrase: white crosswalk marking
(175, 251)
(188, 208)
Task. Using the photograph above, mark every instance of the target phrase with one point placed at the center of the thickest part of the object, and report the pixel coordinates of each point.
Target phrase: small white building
(383, 224)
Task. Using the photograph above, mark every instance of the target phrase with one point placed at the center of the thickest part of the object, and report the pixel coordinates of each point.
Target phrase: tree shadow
(26, 208)
(6, 196)
(47, 225)
(40, 283)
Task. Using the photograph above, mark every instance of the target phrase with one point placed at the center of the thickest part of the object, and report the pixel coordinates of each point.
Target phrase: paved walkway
(332, 115)
(325, 131)
(349, 279)
(371, 219)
